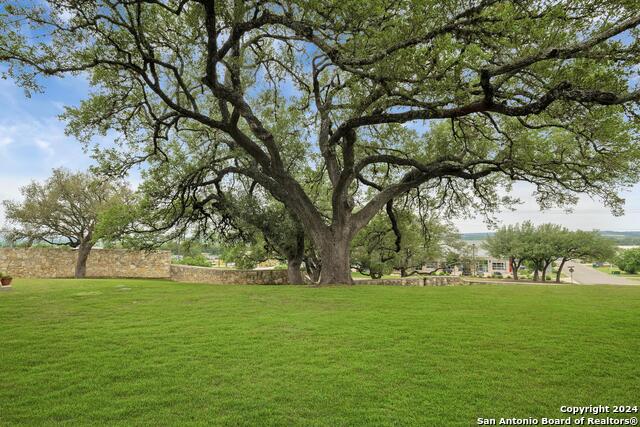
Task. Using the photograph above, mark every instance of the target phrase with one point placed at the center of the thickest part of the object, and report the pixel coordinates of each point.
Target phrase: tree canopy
(400, 240)
(452, 100)
(541, 246)
(64, 210)
(629, 260)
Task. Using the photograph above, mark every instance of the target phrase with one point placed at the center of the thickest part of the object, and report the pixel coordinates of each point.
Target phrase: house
(477, 263)
(481, 263)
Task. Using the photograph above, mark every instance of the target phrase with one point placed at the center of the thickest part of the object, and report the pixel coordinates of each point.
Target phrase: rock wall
(53, 262)
(413, 281)
(189, 274)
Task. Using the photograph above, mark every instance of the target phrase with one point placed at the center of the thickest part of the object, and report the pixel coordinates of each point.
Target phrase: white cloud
(588, 214)
(32, 133)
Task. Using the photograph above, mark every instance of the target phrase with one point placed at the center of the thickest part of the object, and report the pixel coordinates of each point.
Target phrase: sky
(33, 142)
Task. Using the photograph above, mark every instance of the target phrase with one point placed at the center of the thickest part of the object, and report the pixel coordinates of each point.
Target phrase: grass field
(609, 269)
(134, 352)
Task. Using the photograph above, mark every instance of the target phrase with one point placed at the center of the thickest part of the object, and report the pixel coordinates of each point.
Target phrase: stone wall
(53, 262)
(413, 281)
(190, 274)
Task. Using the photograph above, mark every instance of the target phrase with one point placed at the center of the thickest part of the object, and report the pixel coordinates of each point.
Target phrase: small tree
(583, 244)
(240, 215)
(400, 240)
(64, 210)
(268, 231)
(543, 247)
(510, 242)
(629, 260)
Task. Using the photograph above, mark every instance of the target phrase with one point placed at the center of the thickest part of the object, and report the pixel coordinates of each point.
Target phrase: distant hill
(475, 236)
(621, 237)
(618, 234)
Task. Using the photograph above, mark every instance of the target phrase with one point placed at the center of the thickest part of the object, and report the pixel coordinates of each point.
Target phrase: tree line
(80, 209)
(539, 247)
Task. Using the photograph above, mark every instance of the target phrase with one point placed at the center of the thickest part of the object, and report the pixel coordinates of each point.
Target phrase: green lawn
(134, 352)
(610, 269)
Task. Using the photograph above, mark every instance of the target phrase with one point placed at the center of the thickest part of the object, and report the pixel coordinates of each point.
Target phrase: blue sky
(32, 142)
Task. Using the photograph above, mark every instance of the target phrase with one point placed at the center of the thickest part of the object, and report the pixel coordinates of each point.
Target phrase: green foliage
(509, 242)
(245, 256)
(190, 247)
(198, 260)
(629, 260)
(65, 210)
(549, 241)
(540, 246)
(375, 251)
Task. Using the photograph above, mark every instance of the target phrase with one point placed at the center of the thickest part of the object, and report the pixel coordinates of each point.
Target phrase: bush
(196, 260)
(629, 260)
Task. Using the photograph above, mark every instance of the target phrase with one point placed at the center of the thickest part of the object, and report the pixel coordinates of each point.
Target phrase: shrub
(196, 260)
(629, 260)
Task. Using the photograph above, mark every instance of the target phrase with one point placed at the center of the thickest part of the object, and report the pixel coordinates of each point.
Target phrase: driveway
(587, 275)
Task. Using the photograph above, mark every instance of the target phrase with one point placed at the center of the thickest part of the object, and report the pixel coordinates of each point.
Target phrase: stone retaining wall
(190, 274)
(59, 262)
(413, 281)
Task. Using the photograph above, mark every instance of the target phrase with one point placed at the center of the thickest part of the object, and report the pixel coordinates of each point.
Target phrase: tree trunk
(295, 255)
(546, 268)
(83, 254)
(535, 274)
(403, 272)
(335, 258)
(514, 268)
(560, 267)
(293, 271)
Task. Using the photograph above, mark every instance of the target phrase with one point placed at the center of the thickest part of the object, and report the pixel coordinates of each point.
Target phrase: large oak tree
(65, 210)
(455, 99)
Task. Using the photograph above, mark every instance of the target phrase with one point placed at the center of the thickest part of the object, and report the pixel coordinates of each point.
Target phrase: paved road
(586, 275)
